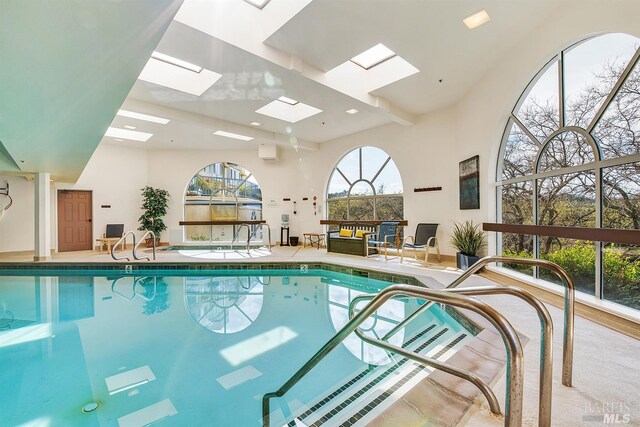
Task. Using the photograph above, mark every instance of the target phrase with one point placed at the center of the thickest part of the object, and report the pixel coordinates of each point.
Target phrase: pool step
(372, 390)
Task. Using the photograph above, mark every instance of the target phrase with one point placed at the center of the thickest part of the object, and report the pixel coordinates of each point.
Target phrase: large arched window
(570, 156)
(365, 185)
(225, 192)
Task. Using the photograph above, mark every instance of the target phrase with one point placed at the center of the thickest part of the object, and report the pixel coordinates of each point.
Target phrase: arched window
(365, 185)
(221, 191)
(570, 156)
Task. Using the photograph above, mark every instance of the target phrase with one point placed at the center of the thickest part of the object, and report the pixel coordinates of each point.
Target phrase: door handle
(90, 220)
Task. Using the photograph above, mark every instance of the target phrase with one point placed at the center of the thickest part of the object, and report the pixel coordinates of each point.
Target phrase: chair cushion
(345, 232)
(360, 233)
(409, 245)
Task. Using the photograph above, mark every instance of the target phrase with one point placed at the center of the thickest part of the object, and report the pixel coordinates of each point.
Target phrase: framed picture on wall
(470, 183)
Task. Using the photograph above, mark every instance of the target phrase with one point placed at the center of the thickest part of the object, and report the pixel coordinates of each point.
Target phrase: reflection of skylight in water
(224, 304)
(373, 56)
(148, 415)
(583, 64)
(257, 345)
(25, 334)
(129, 379)
(388, 316)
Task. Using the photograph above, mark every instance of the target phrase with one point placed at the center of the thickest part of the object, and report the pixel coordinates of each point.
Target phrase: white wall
(17, 224)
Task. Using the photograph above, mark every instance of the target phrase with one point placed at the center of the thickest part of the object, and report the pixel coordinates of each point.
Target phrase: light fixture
(256, 124)
(177, 62)
(130, 127)
(288, 100)
(232, 135)
(477, 19)
(258, 3)
(288, 112)
(352, 111)
(133, 135)
(140, 116)
(373, 56)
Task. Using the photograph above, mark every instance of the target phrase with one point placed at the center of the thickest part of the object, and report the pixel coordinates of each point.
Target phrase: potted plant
(468, 238)
(154, 206)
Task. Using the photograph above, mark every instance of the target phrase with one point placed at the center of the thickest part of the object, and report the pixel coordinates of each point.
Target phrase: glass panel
(518, 246)
(372, 160)
(197, 211)
(621, 196)
(591, 69)
(577, 257)
(567, 200)
(361, 209)
(619, 128)
(337, 210)
(622, 274)
(389, 208)
(517, 203)
(362, 189)
(389, 180)
(565, 150)
(519, 154)
(539, 111)
(338, 187)
(350, 165)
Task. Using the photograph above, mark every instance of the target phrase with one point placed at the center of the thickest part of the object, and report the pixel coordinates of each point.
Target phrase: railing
(513, 407)
(235, 238)
(122, 240)
(135, 246)
(133, 288)
(259, 226)
(251, 234)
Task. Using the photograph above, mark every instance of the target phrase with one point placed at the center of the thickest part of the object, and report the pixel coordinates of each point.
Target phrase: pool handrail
(119, 242)
(515, 368)
(252, 234)
(135, 246)
(235, 239)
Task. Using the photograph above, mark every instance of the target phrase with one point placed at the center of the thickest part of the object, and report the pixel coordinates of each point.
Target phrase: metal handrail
(122, 239)
(135, 246)
(569, 302)
(254, 233)
(133, 288)
(235, 239)
(513, 407)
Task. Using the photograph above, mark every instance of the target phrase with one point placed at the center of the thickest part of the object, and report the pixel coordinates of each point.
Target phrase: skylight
(232, 135)
(140, 116)
(352, 111)
(256, 124)
(177, 62)
(288, 100)
(288, 112)
(477, 19)
(374, 56)
(258, 3)
(129, 127)
(177, 77)
(132, 135)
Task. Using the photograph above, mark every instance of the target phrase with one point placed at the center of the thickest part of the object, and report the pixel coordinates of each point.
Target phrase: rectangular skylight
(352, 111)
(232, 135)
(177, 62)
(258, 3)
(132, 135)
(288, 112)
(477, 19)
(374, 56)
(288, 100)
(140, 116)
(178, 78)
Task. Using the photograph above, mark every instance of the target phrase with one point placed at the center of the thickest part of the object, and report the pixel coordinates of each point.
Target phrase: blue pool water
(177, 347)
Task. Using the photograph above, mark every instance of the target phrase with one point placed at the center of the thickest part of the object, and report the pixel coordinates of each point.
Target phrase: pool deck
(606, 374)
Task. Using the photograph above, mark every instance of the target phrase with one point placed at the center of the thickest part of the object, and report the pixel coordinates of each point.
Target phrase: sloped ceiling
(66, 67)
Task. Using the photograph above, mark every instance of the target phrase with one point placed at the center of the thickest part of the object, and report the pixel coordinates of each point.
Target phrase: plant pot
(293, 241)
(463, 262)
(149, 242)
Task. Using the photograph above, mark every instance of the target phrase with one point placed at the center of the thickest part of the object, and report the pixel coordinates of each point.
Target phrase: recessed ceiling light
(256, 124)
(133, 135)
(374, 56)
(288, 100)
(232, 135)
(291, 113)
(130, 127)
(177, 62)
(477, 19)
(118, 139)
(141, 116)
(258, 3)
(352, 111)
(165, 74)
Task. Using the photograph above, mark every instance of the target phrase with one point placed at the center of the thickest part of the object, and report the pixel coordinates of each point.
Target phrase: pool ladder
(123, 241)
(251, 234)
(460, 298)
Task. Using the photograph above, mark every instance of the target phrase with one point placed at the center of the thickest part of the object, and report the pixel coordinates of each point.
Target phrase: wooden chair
(424, 239)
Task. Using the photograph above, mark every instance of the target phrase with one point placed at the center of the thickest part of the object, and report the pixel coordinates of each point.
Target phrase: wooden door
(75, 229)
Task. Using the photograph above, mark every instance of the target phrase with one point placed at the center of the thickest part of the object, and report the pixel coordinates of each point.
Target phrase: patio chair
(386, 237)
(424, 239)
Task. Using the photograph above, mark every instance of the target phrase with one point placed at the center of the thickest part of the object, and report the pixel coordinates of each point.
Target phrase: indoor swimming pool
(199, 347)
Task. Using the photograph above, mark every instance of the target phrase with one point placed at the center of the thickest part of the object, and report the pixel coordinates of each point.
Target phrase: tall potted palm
(468, 238)
(154, 206)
